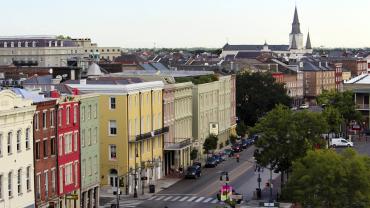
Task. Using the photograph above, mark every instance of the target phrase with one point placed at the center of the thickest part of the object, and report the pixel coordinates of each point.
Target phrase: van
(340, 142)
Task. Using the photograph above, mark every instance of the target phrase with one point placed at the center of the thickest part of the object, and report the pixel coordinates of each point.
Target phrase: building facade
(89, 144)
(45, 154)
(68, 159)
(16, 151)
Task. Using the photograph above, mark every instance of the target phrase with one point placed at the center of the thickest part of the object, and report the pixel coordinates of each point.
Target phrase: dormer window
(19, 44)
(33, 43)
(56, 43)
(26, 44)
(12, 44)
(61, 43)
(5, 44)
(49, 43)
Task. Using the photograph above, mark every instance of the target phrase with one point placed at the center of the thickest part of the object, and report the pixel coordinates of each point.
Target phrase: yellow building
(131, 133)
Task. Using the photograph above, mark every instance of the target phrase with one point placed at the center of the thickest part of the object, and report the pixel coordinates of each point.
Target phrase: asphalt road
(201, 192)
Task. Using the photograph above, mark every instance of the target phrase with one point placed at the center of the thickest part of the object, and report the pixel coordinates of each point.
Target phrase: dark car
(211, 163)
(244, 144)
(237, 148)
(196, 163)
(229, 152)
(193, 172)
(217, 158)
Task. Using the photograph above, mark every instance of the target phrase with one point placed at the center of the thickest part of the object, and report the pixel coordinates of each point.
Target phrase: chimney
(83, 81)
(326, 64)
(54, 94)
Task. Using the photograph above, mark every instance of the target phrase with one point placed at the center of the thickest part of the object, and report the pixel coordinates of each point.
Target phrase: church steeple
(296, 29)
(294, 43)
(308, 42)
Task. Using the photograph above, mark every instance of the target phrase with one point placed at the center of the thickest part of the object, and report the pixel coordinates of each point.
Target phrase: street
(202, 192)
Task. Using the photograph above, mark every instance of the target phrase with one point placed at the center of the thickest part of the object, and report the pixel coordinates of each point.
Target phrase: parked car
(304, 106)
(244, 144)
(193, 172)
(223, 156)
(211, 163)
(237, 147)
(196, 163)
(229, 152)
(217, 158)
(340, 142)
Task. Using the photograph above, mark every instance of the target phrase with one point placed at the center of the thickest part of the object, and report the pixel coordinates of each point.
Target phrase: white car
(304, 106)
(340, 142)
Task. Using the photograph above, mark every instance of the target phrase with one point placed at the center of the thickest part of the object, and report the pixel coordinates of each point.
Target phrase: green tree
(324, 178)
(286, 136)
(343, 102)
(241, 129)
(193, 154)
(257, 94)
(233, 139)
(210, 143)
(333, 119)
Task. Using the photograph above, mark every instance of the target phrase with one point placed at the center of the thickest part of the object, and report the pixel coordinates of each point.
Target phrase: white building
(16, 151)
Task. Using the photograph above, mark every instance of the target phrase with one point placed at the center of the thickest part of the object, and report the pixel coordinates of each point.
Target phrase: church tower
(296, 37)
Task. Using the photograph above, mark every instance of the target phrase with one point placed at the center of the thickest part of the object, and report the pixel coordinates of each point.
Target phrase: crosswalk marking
(159, 198)
(214, 201)
(199, 199)
(192, 198)
(207, 200)
(153, 197)
(184, 198)
(168, 198)
(176, 198)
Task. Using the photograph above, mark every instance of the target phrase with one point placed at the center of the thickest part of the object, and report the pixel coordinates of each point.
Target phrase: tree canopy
(257, 94)
(210, 143)
(324, 178)
(286, 136)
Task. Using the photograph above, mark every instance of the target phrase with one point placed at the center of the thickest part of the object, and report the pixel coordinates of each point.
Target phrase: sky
(190, 23)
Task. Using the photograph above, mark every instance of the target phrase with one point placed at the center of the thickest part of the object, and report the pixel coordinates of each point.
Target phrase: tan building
(212, 111)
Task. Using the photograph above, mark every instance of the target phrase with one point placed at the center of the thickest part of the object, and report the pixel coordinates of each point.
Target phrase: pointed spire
(265, 43)
(296, 25)
(308, 42)
(294, 43)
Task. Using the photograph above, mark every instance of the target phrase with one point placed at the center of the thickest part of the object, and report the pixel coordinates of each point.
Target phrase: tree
(233, 139)
(343, 102)
(333, 119)
(324, 178)
(241, 129)
(210, 143)
(286, 136)
(257, 94)
(193, 154)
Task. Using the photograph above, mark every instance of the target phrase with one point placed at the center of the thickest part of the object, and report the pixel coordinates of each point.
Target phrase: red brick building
(68, 138)
(45, 151)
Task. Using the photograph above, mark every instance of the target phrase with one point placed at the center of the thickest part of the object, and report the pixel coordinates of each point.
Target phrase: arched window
(9, 142)
(28, 138)
(19, 135)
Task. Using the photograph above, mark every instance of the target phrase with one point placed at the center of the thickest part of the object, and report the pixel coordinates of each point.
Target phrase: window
(45, 146)
(1, 147)
(95, 164)
(96, 111)
(60, 117)
(37, 150)
(5, 44)
(141, 147)
(68, 114)
(112, 127)
(83, 137)
(68, 174)
(19, 134)
(44, 120)
(112, 152)
(112, 103)
(52, 118)
(1, 187)
(83, 113)
(33, 43)
(19, 181)
(12, 44)
(27, 138)
(76, 174)
(36, 122)
(10, 178)
(83, 168)
(26, 44)
(53, 185)
(89, 170)
(67, 143)
(10, 135)
(38, 186)
(60, 145)
(61, 180)
(95, 136)
(89, 112)
(46, 183)
(52, 146)
(88, 141)
(75, 114)
(28, 178)
(75, 141)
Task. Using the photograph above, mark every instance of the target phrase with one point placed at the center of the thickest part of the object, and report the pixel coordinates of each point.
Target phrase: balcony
(178, 144)
(149, 135)
(362, 106)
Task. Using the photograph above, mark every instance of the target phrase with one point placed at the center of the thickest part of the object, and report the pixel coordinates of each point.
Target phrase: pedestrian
(237, 157)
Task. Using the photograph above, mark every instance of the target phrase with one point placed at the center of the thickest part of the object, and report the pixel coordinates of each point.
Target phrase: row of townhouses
(75, 140)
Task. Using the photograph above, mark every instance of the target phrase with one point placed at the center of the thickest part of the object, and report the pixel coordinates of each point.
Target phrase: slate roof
(159, 66)
(229, 47)
(38, 80)
(148, 67)
(247, 55)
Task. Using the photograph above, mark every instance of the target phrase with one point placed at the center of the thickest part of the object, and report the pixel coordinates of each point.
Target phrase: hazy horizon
(190, 23)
